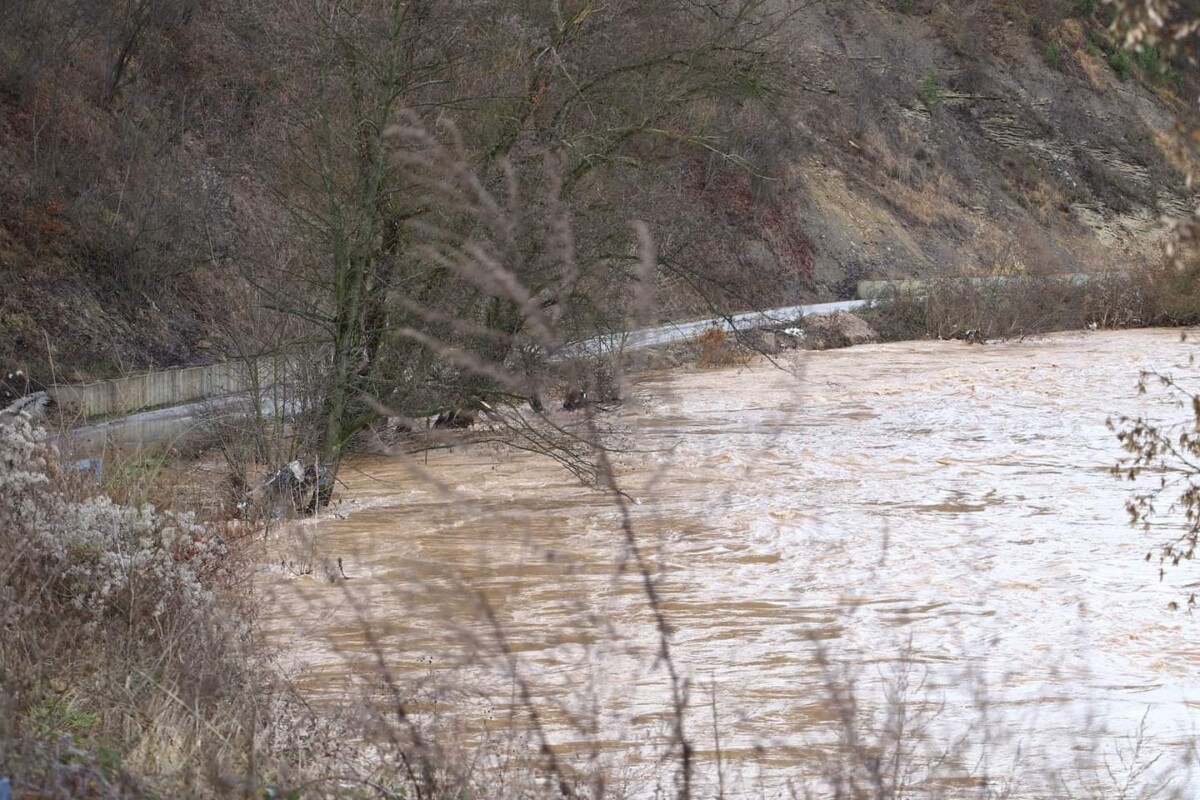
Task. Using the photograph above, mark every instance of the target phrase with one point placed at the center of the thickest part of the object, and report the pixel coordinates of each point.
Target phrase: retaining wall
(159, 389)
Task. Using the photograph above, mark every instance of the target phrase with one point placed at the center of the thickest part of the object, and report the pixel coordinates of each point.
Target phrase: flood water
(927, 520)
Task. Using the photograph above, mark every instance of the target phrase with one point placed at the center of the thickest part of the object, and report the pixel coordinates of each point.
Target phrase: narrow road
(678, 331)
(165, 424)
(157, 425)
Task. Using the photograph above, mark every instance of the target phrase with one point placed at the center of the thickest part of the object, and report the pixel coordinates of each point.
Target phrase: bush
(980, 308)
(1149, 60)
(1054, 55)
(898, 317)
(1154, 67)
(929, 90)
(1083, 8)
(1173, 293)
(717, 349)
(119, 657)
(1120, 64)
(1011, 306)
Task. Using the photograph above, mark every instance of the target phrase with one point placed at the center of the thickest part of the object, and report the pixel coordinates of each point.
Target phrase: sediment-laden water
(931, 522)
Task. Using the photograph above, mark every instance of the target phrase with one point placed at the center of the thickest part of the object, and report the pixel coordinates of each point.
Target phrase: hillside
(1015, 139)
(140, 155)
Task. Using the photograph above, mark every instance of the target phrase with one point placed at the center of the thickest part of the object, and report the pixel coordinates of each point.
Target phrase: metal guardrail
(754, 319)
(666, 334)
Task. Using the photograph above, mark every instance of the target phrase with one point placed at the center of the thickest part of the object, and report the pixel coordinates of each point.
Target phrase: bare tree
(563, 117)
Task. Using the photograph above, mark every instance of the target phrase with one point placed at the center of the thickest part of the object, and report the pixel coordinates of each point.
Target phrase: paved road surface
(164, 424)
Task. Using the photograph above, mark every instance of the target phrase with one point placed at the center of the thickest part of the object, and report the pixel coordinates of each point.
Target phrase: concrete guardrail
(133, 393)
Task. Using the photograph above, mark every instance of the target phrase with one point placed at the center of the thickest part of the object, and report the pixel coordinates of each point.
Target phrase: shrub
(1019, 305)
(717, 349)
(1120, 63)
(1155, 68)
(929, 90)
(1054, 55)
(117, 646)
(1173, 293)
(1148, 59)
(897, 317)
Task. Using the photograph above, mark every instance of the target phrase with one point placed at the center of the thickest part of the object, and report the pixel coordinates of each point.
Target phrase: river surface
(928, 525)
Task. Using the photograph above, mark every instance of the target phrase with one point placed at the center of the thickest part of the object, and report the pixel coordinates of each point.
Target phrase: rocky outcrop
(21, 394)
(838, 329)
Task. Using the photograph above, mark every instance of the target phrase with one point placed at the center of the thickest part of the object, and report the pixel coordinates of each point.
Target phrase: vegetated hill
(914, 137)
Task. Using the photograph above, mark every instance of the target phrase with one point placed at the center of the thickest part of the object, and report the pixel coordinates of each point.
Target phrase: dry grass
(128, 662)
(1012, 306)
(717, 349)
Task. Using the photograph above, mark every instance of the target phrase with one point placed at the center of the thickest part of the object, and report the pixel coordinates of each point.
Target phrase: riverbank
(968, 307)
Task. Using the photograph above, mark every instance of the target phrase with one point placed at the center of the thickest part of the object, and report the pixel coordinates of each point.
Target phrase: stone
(838, 329)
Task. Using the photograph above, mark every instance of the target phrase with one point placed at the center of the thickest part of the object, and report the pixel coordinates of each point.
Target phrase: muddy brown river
(926, 526)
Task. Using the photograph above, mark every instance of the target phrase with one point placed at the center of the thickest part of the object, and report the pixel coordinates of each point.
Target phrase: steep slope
(1008, 137)
(914, 137)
